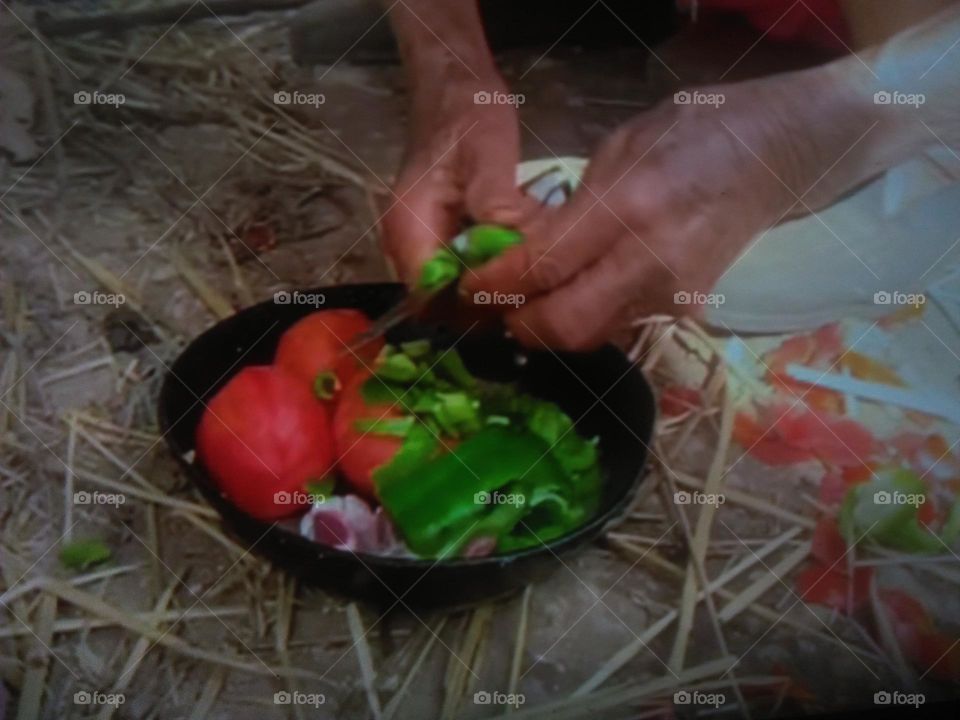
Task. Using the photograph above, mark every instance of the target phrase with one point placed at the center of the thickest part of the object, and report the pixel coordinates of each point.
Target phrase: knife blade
(473, 247)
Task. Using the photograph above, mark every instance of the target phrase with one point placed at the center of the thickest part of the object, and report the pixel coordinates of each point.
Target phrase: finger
(558, 244)
(421, 214)
(492, 152)
(586, 312)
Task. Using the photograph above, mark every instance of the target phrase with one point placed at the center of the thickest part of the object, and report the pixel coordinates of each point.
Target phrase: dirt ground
(199, 195)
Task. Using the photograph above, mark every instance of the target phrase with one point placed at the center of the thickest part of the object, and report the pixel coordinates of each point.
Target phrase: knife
(471, 248)
(474, 246)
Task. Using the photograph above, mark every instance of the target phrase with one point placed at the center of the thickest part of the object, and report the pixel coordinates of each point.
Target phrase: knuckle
(545, 270)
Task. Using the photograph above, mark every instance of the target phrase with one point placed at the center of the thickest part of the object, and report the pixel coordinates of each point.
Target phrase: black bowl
(607, 397)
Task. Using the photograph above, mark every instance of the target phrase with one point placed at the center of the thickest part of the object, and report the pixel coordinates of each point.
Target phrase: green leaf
(82, 554)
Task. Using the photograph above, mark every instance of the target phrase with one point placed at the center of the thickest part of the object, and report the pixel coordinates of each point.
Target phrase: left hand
(666, 205)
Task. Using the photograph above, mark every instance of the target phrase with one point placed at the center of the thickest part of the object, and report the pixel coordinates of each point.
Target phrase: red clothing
(819, 22)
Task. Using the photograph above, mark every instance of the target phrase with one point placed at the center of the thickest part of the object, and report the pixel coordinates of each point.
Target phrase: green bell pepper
(474, 246)
(442, 504)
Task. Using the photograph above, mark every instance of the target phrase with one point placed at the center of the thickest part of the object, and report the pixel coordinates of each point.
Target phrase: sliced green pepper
(440, 270)
(475, 246)
(482, 243)
(447, 501)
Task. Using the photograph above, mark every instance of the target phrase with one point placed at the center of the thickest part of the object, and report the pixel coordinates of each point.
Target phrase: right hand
(461, 162)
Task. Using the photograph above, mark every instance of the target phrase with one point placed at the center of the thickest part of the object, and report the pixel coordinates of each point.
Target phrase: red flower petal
(835, 441)
(767, 447)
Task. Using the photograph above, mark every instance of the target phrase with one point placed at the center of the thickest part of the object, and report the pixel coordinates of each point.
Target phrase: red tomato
(262, 438)
(318, 343)
(359, 453)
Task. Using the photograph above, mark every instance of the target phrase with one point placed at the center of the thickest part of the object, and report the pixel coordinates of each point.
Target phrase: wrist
(439, 42)
(824, 133)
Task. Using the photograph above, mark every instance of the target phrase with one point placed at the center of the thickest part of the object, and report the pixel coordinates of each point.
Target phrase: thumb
(492, 196)
(417, 223)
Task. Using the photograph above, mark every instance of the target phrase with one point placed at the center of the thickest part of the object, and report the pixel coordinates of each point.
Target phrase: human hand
(666, 205)
(461, 162)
